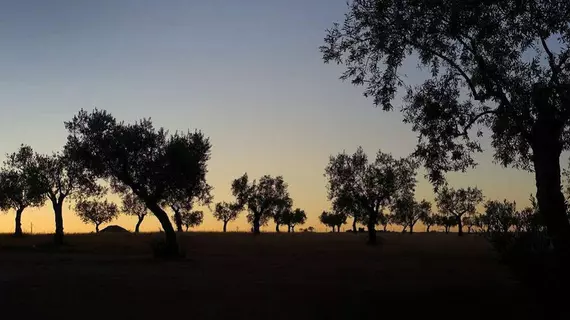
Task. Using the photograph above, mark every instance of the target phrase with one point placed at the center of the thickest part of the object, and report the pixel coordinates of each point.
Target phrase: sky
(247, 73)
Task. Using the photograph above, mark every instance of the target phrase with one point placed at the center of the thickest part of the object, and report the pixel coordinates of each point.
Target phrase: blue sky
(248, 73)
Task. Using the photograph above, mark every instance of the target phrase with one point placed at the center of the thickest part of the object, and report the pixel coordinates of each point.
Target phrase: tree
(61, 177)
(280, 212)
(96, 212)
(292, 218)
(134, 206)
(192, 218)
(408, 212)
(456, 203)
(447, 222)
(469, 222)
(428, 220)
(350, 207)
(151, 163)
(369, 186)
(333, 219)
(261, 198)
(226, 212)
(20, 185)
(504, 65)
(385, 219)
(500, 215)
(182, 203)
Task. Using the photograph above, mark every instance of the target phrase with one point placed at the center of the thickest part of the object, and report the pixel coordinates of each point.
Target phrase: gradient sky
(248, 73)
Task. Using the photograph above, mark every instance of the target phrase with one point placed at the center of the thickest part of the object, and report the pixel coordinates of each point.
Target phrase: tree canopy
(226, 212)
(457, 203)
(151, 163)
(20, 184)
(408, 211)
(292, 218)
(368, 186)
(96, 212)
(501, 65)
(333, 219)
(262, 197)
(192, 218)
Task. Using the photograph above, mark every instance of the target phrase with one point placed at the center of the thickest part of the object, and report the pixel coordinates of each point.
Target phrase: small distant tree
(151, 163)
(384, 220)
(280, 212)
(447, 222)
(192, 218)
(370, 186)
(428, 220)
(351, 208)
(332, 219)
(20, 185)
(457, 203)
(261, 198)
(500, 215)
(96, 212)
(226, 212)
(408, 212)
(294, 218)
(469, 222)
(134, 206)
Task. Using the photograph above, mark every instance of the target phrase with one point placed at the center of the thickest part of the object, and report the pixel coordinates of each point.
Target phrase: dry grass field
(272, 276)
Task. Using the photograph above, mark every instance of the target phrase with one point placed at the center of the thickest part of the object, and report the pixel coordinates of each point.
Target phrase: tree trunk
(225, 225)
(372, 218)
(404, 229)
(96, 228)
(354, 225)
(178, 220)
(446, 229)
(58, 212)
(18, 230)
(277, 227)
(171, 249)
(546, 157)
(427, 230)
(385, 227)
(289, 228)
(256, 220)
(293, 229)
(459, 226)
(411, 228)
(139, 222)
(338, 228)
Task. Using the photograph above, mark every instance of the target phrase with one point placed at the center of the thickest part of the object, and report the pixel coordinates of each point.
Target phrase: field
(272, 276)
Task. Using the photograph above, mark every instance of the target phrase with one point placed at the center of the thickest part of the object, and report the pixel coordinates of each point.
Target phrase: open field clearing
(277, 276)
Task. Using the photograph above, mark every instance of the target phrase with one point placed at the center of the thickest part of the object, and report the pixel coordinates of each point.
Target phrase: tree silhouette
(192, 218)
(181, 202)
(428, 220)
(371, 186)
(280, 211)
(500, 215)
(20, 185)
(333, 219)
(292, 218)
(261, 198)
(134, 206)
(457, 203)
(504, 65)
(384, 220)
(447, 222)
(226, 212)
(96, 212)
(349, 206)
(469, 222)
(408, 212)
(138, 158)
(60, 178)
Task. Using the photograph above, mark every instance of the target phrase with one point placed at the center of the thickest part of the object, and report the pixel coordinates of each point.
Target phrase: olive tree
(191, 218)
(262, 198)
(501, 65)
(96, 212)
(134, 206)
(280, 212)
(333, 219)
(20, 185)
(408, 211)
(457, 203)
(370, 186)
(226, 212)
(151, 163)
(500, 216)
(292, 218)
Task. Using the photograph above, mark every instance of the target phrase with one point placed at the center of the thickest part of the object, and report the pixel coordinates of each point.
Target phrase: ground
(271, 276)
